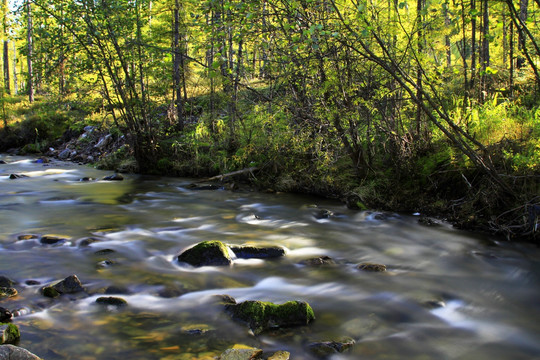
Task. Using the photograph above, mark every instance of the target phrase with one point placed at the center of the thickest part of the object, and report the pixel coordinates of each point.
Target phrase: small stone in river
(256, 252)
(372, 267)
(16, 353)
(32, 282)
(17, 176)
(111, 300)
(104, 252)
(27, 237)
(114, 177)
(9, 333)
(7, 292)
(206, 253)
(105, 264)
(3, 162)
(434, 304)
(241, 354)
(5, 314)
(51, 240)
(322, 260)
(87, 241)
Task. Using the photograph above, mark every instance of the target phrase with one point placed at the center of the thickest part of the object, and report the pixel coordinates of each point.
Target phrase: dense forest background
(426, 105)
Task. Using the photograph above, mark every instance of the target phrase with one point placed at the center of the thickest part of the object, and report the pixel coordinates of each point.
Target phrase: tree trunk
(7, 83)
(30, 52)
(177, 64)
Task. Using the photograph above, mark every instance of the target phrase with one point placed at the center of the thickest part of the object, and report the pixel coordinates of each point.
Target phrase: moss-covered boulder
(206, 253)
(261, 316)
(9, 333)
(256, 252)
(318, 261)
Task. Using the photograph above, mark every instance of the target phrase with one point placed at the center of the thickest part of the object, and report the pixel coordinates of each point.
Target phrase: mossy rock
(9, 333)
(6, 282)
(241, 354)
(50, 292)
(69, 285)
(15, 352)
(6, 292)
(261, 316)
(326, 349)
(206, 253)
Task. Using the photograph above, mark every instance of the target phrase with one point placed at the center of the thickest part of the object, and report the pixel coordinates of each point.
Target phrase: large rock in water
(9, 334)
(261, 316)
(11, 352)
(206, 253)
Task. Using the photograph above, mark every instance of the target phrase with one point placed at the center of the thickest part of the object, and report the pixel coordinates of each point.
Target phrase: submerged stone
(261, 316)
(255, 252)
(114, 177)
(206, 253)
(12, 352)
(321, 260)
(9, 333)
(280, 355)
(27, 237)
(372, 267)
(326, 349)
(241, 354)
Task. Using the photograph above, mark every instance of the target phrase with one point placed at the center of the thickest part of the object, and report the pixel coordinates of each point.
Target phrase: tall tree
(5, 26)
(29, 56)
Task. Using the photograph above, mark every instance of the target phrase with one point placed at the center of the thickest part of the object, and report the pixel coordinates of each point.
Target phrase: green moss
(10, 333)
(49, 291)
(262, 316)
(207, 253)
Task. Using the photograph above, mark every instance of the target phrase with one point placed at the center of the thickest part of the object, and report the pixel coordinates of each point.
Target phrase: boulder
(11, 352)
(371, 267)
(9, 333)
(206, 253)
(5, 314)
(261, 316)
(64, 154)
(254, 252)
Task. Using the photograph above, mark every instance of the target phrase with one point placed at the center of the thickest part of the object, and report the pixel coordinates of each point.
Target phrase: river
(446, 294)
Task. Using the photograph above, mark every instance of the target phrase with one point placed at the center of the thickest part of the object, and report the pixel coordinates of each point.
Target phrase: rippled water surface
(490, 290)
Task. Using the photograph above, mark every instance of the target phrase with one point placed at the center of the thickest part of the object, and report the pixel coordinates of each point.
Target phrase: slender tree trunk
(511, 59)
(7, 82)
(420, 49)
(473, 44)
(15, 80)
(30, 52)
(447, 37)
(177, 65)
(523, 13)
(485, 45)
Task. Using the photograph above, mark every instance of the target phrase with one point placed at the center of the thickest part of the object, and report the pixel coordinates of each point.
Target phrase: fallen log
(249, 170)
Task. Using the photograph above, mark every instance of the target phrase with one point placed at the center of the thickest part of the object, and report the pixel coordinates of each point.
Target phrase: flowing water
(447, 294)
